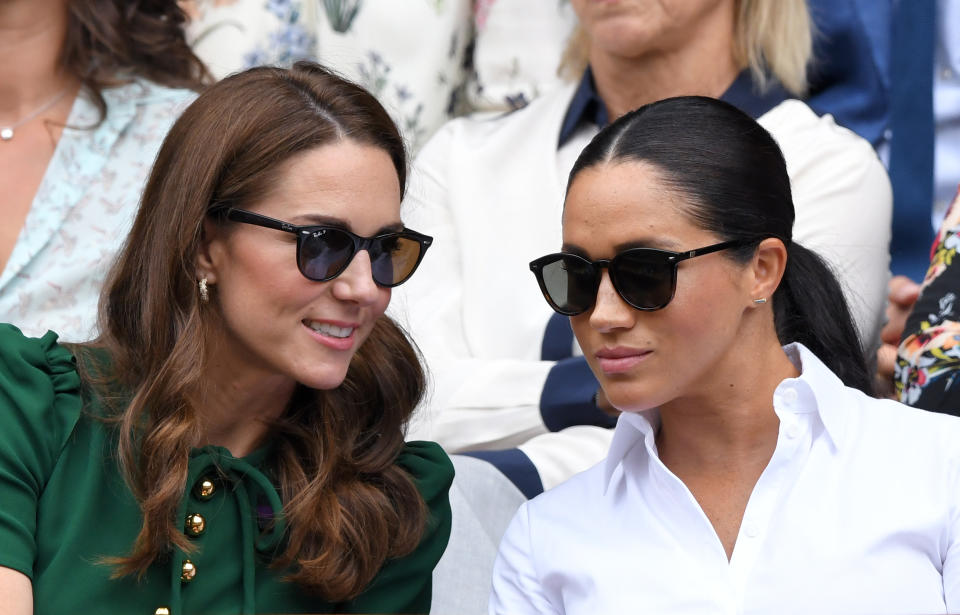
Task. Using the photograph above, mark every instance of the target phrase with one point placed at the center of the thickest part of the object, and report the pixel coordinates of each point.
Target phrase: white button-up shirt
(858, 511)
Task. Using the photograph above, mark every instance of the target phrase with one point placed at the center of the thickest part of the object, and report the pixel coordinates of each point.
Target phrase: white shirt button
(946, 74)
(751, 530)
(793, 430)
(790, 395)
(887, 134)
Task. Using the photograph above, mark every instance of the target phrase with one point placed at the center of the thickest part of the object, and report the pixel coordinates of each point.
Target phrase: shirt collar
(819, 390)
(632, 428)
(816, 390)
(587, 106)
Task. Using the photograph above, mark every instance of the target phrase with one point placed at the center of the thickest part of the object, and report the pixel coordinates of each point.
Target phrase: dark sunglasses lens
(325, 253)
(394, 259)
(644, 278)
(570, 283)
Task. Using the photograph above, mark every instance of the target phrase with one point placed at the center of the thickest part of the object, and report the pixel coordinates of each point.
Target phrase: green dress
(64, 506)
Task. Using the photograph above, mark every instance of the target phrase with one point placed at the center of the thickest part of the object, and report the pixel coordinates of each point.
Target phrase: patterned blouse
(928, 365)
(427, 61)
(83, 209)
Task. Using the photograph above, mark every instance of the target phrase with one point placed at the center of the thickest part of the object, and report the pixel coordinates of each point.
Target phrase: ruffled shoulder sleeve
(404, 584)
(431, 469)
(40, 403)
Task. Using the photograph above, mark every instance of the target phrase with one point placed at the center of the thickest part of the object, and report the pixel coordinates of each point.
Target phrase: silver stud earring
(760, 300)
(204, 293)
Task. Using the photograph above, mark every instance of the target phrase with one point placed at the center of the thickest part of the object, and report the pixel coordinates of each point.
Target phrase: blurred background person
(427, 61)
(890, 70)
(928, 362)
(917, 55)
(506, 374)
(88, 90)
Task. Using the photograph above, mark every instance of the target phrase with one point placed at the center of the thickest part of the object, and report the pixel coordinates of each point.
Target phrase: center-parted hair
(347, 505)
(734, 178)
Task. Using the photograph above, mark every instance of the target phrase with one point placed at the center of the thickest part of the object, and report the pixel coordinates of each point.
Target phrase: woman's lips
(342, 336)
(619, 360)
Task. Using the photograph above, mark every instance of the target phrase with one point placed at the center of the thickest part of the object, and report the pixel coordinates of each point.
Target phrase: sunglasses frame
(597, 266)
(304, 231)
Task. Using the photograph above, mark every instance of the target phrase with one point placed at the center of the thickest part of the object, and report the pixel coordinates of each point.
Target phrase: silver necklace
(6, 132)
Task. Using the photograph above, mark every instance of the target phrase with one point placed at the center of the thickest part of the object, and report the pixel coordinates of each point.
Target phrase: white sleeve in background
(844, 206)
(516, 587)
(559, 455)
(478, 401)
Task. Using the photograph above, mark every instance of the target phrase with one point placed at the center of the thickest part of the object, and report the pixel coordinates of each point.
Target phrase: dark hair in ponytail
(735, 178)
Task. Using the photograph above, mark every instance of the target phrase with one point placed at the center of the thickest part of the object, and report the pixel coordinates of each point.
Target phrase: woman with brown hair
(88, 89)
(234, 439)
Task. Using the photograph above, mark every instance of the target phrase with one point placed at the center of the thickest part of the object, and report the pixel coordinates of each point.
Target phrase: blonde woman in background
(507, 379)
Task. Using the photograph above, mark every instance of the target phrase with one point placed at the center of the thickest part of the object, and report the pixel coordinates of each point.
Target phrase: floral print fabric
(427, 61)
(928, 364)
(83, 209)
(410, 54)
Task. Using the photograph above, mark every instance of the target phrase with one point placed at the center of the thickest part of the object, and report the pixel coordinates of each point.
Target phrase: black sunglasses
(323, 252)
(645, 278)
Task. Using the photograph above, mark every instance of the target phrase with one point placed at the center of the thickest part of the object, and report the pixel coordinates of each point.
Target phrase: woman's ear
(209, 253)
(768, 266)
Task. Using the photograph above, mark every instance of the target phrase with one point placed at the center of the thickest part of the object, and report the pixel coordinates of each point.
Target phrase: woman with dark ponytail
(750, 470)
(808, 307)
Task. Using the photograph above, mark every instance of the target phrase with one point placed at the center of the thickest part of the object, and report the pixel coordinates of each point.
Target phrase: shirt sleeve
(928, 359)
(39, 405)
(404, 585)
(516, 586)
(476, 403)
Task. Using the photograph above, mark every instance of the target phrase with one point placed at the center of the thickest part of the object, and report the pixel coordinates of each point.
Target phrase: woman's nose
(610, 311)
(356, 282)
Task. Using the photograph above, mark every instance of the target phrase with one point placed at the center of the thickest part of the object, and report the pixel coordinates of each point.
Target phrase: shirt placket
(731, 579)
(793, 447)
(704, 555)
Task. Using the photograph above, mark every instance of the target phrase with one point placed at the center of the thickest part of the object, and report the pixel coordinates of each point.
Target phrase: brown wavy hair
(348, 506)
(108, 42)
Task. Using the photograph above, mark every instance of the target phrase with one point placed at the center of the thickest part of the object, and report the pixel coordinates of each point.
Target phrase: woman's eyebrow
(396, 227)
(571, 248)
(319, 220)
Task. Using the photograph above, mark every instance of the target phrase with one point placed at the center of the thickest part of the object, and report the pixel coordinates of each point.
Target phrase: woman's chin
(323, 381)
(625, 401)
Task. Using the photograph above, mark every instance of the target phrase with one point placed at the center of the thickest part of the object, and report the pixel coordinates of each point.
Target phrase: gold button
(162, 611)
(188, 571)
(195, 524)
(205, 488)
